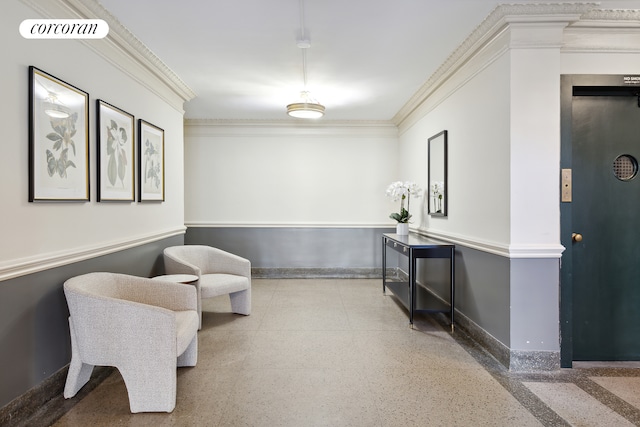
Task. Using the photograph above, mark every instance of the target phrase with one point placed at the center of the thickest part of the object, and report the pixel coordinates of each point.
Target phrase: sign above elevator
(631, 80)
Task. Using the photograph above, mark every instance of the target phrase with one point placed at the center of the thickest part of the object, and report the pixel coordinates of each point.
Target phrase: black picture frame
(58, 139)
(150, 162)
(116, 162)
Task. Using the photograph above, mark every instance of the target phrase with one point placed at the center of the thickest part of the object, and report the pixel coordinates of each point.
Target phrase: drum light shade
(306, 108)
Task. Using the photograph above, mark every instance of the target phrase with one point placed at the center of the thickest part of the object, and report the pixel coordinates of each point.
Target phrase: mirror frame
(437, 168)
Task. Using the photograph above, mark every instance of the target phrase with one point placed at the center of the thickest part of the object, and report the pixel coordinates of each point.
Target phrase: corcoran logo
(64, 29)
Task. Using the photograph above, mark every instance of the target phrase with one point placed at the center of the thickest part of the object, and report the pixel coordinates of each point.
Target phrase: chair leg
(241, 302)
(79, 373)
(150, 388)
(199, 306)
(190, 355)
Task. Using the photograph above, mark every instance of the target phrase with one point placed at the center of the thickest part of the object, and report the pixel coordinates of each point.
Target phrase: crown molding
(489, 29)
(604, 31)
(360, 129)
(121, 48)
(288, 123)
(614, 17)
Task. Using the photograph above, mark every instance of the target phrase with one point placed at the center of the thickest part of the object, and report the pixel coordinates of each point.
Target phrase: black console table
(414, 296)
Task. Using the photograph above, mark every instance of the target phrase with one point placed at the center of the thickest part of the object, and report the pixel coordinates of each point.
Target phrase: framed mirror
(437, 176)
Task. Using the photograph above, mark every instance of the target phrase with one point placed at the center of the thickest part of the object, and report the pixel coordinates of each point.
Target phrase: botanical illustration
(115, 163)
(151, 143)
(116, 151)
(152, 179)
(64, 129)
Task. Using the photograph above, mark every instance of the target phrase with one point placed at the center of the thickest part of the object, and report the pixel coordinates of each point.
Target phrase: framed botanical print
(58, 139)
(116, 153)
(150, 162)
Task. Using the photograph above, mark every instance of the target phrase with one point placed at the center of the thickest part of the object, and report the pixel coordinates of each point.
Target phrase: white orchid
(400, 191)
(437, 192)
(437, 189)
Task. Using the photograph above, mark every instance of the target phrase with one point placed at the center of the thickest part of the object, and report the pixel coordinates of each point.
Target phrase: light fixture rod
(302, 34)
(304, 68)
(307, 107)
(303, 38)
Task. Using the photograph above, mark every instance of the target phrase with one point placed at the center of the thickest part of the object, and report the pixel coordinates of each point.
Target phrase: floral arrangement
(403, 191)
(437, 190)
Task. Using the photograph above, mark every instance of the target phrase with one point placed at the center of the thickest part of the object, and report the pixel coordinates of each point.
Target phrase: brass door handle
(576, 237)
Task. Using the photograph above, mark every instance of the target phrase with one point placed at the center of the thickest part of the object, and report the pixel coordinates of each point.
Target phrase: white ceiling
(367, 57)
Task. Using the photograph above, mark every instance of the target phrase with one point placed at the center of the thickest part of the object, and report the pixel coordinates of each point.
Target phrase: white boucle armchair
(143, 327)
(219, 273)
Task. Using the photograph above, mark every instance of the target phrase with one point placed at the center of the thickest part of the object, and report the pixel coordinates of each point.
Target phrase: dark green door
(605, 213)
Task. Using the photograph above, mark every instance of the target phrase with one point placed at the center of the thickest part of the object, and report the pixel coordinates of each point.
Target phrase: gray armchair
(218, 272)
(143, 327)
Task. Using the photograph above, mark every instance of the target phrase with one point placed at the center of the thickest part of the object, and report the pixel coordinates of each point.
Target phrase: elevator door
(605, 218)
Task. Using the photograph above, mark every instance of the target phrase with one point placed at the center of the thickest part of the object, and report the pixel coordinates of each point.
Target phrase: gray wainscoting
(485, 282)
(483, 290)
(481, 295)
(299, 251)
(493, 295)
(34, 330)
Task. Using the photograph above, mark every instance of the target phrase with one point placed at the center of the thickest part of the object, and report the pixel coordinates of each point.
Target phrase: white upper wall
(45, 234)
(475, 116)
(288, 175)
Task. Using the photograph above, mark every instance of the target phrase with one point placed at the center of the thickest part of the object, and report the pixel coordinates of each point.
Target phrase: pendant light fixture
(51, 105)
(53, 108)
(306, 107)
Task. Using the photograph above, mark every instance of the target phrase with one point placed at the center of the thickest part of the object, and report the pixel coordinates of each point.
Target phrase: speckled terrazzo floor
(340, 353)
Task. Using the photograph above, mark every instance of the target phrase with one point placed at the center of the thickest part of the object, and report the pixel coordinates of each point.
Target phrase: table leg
(452, 278)
(412, 285)
(384, 264)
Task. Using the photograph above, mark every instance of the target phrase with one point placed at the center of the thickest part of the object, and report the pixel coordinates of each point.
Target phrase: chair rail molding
(21, 267)
(511, 251)
(214, 224)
